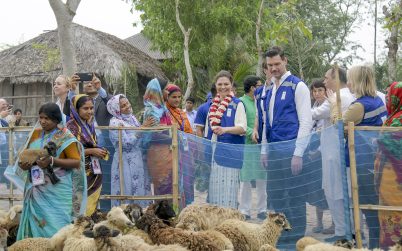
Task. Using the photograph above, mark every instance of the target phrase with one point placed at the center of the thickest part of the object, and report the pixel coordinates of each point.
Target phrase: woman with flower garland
(227, 123)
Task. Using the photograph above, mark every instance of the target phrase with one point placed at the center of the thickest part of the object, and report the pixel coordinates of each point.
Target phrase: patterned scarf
(217, 109)
(83, 130)
(181, 118)
(178, 116)
(119, 119)
(154, 104)
(394, 105)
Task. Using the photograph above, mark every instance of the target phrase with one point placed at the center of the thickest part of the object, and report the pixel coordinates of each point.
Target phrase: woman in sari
(178, 117)
(389, 170)
(48, 207)
(134, 173)
(159, 155)
(82, 126)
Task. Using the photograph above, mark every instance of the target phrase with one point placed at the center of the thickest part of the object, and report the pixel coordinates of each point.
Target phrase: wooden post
(355, 188)
(11, 160)
(175, 167)
(338, 92)
(121, 163)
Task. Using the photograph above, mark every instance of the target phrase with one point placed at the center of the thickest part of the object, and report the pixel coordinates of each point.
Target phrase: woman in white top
(226, 125)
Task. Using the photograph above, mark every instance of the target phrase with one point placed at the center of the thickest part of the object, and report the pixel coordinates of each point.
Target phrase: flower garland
(217, 109)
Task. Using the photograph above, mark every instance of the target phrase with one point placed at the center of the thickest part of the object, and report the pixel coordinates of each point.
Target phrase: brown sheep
(161, 233)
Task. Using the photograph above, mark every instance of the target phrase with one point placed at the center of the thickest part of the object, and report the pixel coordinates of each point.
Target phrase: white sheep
(310, 244)
(302, 243)
(102, 239)
(204, 217)
(73, 230)
(118, 220)
(31, 244)
(247, 236)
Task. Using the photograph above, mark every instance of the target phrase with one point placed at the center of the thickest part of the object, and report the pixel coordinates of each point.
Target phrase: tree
(186, 35)
(393, 19)
(213, 24)
(64, 13)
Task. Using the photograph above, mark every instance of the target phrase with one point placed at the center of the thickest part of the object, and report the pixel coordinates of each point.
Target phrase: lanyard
(48, 138)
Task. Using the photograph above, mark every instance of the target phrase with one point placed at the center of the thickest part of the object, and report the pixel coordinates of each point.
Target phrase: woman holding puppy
(48, 207)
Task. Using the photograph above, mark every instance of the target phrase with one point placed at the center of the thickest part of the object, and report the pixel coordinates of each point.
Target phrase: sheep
(163, 210)
(302, 243)
(3, 238)
(11, 221)
(204, 217)
(32, 244)
(132, 211)
(161, 233)
(98, 216)
(310, 244)
(102, 238)
(81, 223)
(117, 220)
(249, 236)
(267, 247)
(219, 239)
(32, 155)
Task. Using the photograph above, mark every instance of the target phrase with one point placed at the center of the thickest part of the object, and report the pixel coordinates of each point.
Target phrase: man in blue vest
(288, 125)
(260, 101)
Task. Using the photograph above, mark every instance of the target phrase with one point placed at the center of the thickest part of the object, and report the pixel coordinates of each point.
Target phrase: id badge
(229, 112)
(96, 165)
(37, 175)
(185, 143)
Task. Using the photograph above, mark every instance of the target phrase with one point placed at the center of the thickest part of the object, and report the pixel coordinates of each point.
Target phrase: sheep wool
(73, 230)
(219, 239)
(302, 243)
(161, 233)
(32, 244)
(204, 217)
(267, 247)
(247, 236)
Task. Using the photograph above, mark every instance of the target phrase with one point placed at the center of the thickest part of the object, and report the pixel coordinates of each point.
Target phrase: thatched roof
(95, 52)
(145, 45)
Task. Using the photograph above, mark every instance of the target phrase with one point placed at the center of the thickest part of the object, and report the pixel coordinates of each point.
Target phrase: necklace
(217, 109)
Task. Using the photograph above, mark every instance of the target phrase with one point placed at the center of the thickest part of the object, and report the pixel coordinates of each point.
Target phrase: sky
(22, 20)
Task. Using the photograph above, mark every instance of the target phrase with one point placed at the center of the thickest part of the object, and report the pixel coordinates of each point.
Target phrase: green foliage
(52, 56)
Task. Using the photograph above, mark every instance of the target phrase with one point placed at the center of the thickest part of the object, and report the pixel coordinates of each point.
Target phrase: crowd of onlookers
(279, 112)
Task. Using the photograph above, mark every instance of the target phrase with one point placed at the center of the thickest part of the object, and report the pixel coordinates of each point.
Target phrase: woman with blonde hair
(367, 110)
(61, 87)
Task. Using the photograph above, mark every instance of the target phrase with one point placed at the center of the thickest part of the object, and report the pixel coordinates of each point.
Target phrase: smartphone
(84, 76)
